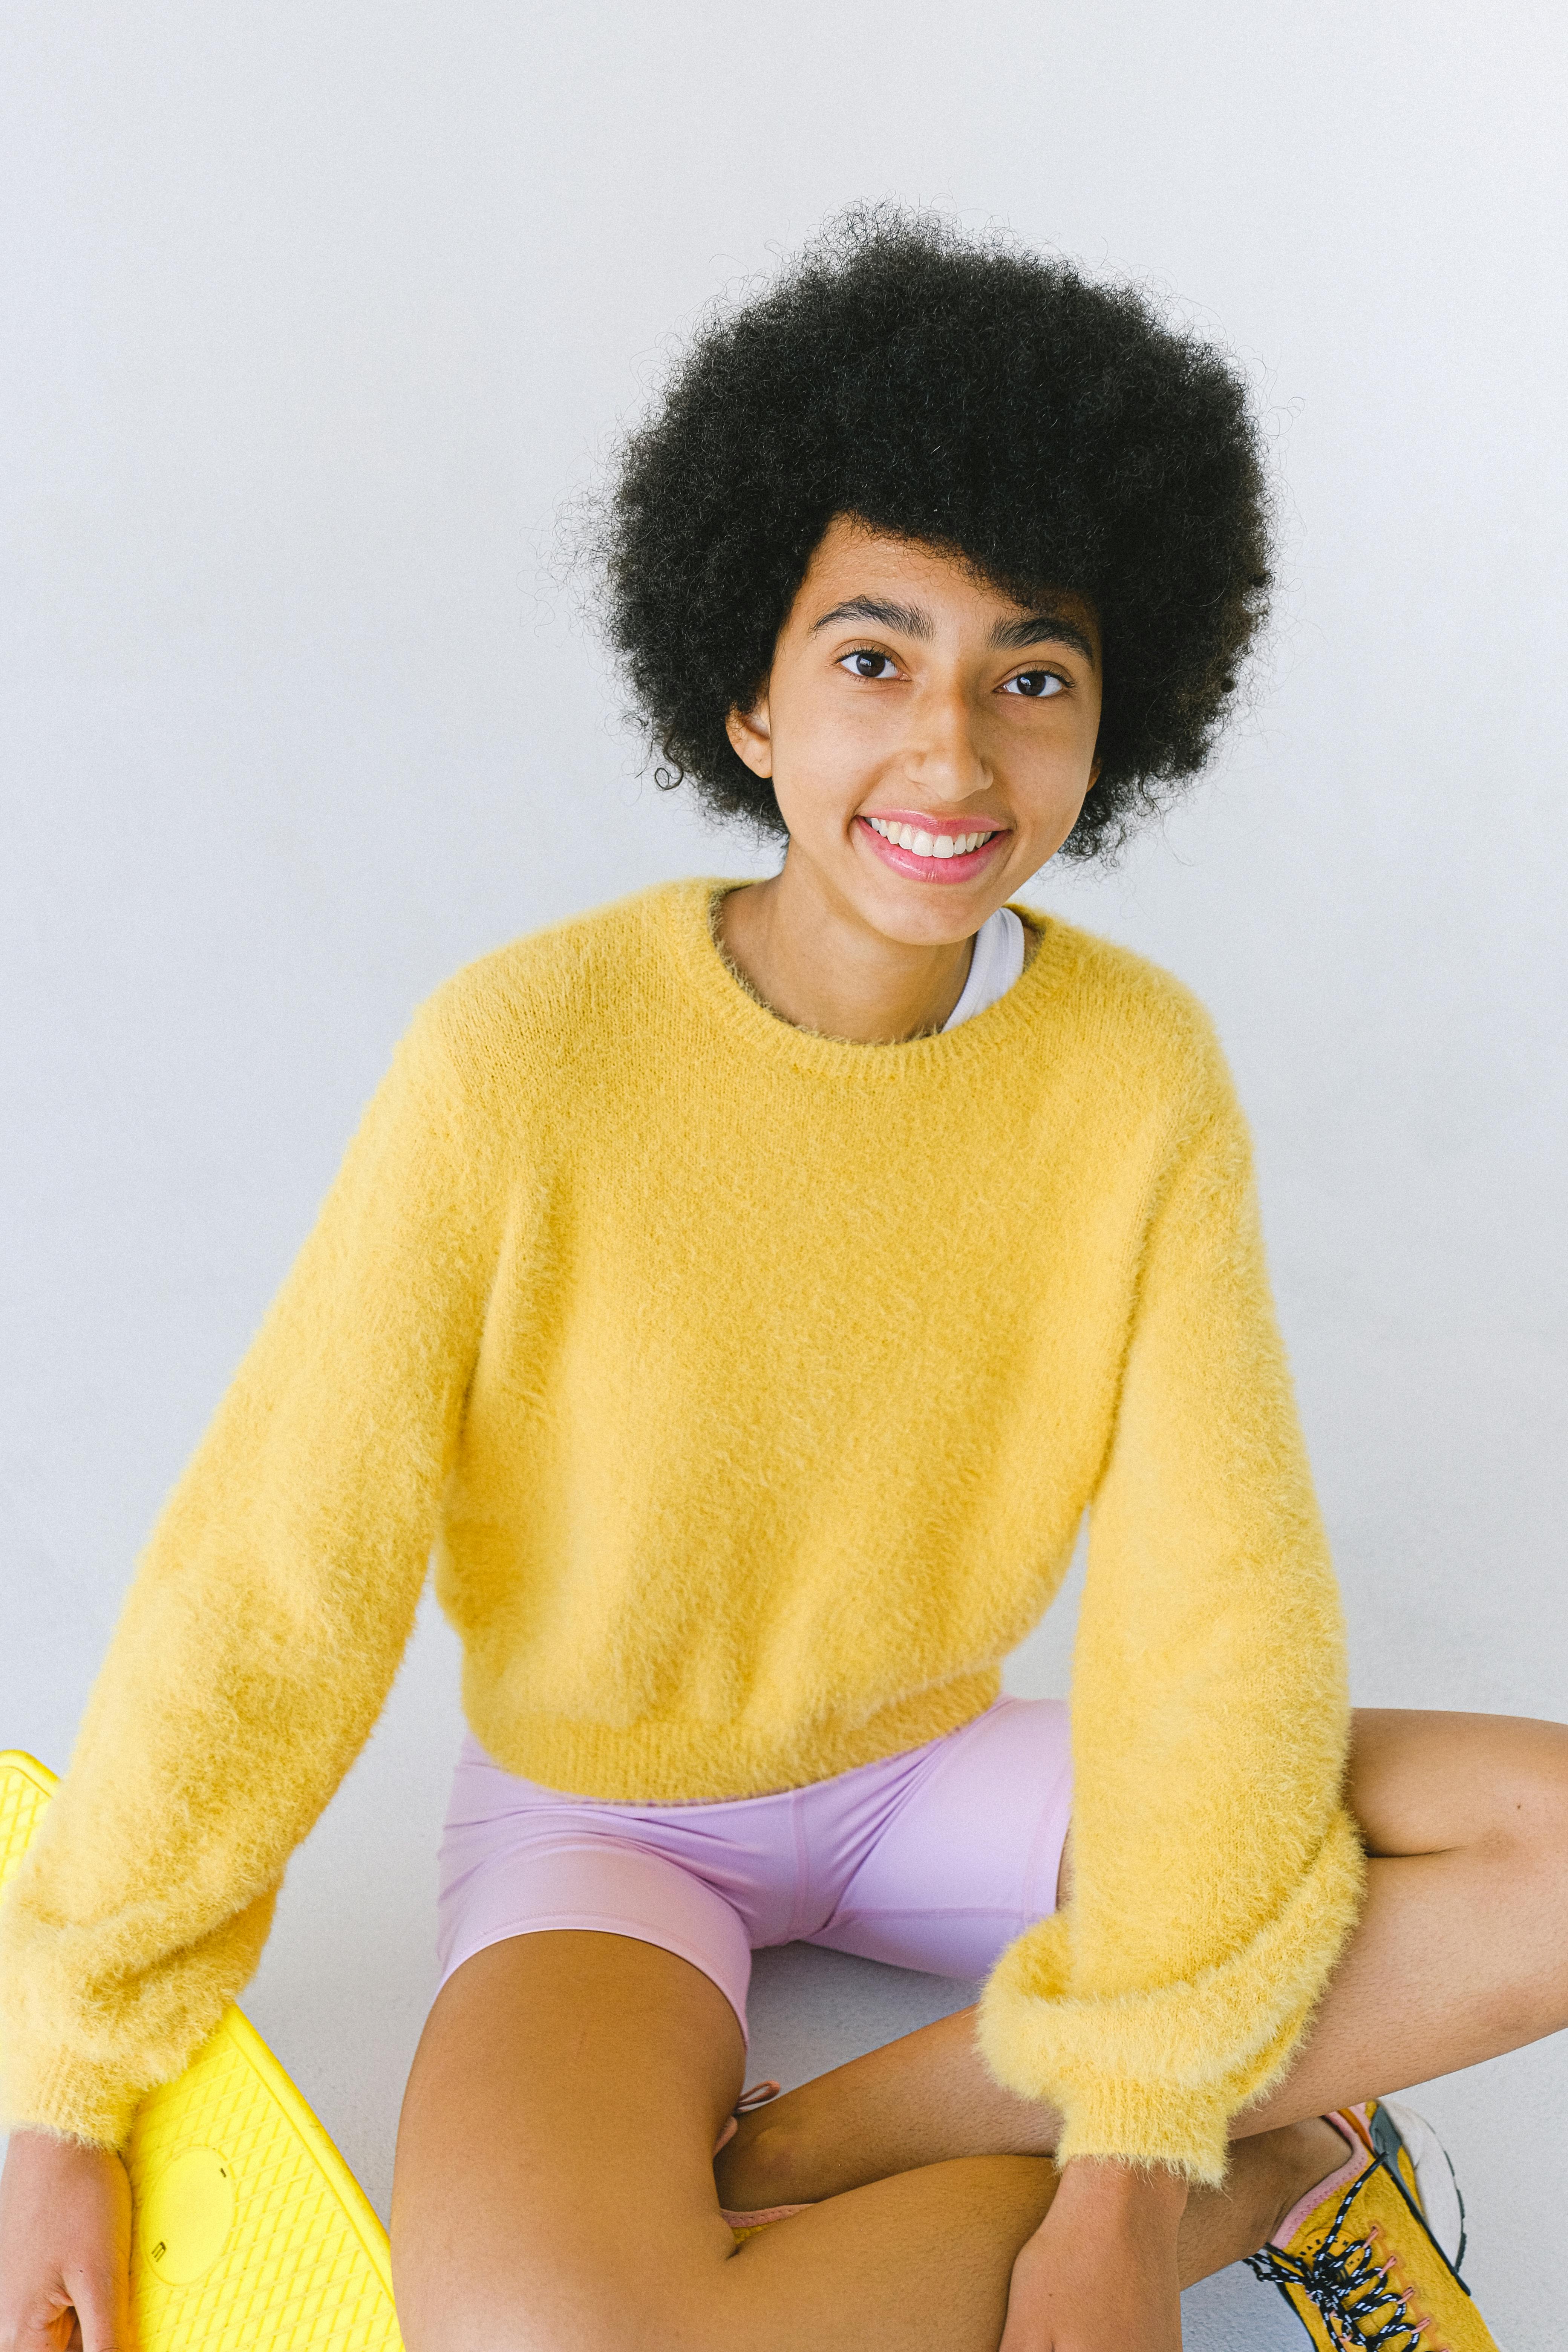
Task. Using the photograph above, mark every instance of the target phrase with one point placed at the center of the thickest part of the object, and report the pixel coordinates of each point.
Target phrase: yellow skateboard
(250, 2232)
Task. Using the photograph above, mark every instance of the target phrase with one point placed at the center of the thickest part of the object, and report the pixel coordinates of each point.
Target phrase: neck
(815, 961)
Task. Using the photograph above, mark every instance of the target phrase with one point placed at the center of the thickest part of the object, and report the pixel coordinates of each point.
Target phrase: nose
(942, 754)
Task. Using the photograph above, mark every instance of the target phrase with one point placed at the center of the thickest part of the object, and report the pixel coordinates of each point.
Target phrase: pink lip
(929, 870)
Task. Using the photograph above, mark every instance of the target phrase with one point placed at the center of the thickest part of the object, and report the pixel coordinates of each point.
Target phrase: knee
(764, 2166)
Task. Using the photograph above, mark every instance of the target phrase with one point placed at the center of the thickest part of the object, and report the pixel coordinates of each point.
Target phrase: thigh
(972, 1856)
(554, 2177)
(1424, 1782)
(516, 1859)
(554, 2187)
(569, 1870)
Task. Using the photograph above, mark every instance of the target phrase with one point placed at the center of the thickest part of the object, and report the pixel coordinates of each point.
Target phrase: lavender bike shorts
(934, 1859)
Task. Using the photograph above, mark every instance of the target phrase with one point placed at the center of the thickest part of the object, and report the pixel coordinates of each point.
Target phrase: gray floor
(346, 1981)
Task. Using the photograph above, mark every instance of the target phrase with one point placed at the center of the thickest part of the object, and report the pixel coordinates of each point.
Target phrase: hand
(1099, 2273)
(65, 2248)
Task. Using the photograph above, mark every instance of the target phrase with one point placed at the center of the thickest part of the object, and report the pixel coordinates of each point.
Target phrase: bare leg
(1461, 1953)
(554, 2187)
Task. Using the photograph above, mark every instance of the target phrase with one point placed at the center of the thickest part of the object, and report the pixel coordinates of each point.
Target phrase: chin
(926, 922)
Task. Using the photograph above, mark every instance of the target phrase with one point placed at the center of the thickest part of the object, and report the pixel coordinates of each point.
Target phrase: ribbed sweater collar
(685, 915)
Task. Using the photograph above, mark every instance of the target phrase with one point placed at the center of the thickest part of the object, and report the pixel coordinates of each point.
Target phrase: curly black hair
(1055, 433)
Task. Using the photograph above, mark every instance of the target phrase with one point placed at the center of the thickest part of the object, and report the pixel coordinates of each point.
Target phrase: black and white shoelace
(1347, 2285)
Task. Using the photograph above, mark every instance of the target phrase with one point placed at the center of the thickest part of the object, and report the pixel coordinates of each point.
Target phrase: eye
(863, 663)
(1034, 685)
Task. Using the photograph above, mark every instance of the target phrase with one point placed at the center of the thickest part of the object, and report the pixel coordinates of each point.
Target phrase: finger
(46, 2326)
(103, 2310)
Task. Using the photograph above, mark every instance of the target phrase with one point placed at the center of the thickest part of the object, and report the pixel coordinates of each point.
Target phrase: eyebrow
(1039, 629)
(1007, 637)
(908, 618)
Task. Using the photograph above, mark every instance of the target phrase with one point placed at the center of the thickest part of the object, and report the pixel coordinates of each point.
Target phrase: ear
(750, 733)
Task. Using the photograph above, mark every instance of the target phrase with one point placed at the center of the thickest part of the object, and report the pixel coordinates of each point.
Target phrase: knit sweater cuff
(1154, 2077)
(68, 2097)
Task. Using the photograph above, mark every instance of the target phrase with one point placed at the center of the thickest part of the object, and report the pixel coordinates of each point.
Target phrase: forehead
(853, 558)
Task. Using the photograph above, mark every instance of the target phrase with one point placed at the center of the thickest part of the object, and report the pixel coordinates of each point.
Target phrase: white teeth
(928, 844)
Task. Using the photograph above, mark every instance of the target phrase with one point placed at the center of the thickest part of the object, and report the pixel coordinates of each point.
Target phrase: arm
(1216, 1873)
(1100, 2274)
(264, 1626)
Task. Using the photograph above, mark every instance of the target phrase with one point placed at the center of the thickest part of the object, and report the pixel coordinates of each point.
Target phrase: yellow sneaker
(1361, 2261)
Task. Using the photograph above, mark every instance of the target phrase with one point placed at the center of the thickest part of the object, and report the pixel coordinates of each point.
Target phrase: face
(930, 741)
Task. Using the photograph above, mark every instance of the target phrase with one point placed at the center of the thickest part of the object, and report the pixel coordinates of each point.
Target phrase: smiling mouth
(925, 854)
(920, 844)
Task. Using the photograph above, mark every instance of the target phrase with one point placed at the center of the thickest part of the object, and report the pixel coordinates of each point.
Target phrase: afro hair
(1054, 432)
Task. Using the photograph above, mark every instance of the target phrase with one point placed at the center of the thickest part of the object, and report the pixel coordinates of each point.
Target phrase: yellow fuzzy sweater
(750, 1387)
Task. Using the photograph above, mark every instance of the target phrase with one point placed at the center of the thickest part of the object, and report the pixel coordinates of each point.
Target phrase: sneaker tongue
(1321, 2201)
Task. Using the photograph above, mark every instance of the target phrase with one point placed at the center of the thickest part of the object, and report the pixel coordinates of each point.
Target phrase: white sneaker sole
(1439, 2189)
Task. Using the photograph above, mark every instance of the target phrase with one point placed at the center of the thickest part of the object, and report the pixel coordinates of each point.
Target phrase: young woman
(748, 1290)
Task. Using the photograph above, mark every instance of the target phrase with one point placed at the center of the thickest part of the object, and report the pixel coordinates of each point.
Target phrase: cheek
(825, 763)
(1044, 778)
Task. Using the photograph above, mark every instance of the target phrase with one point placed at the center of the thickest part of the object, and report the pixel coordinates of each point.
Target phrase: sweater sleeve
(1215, 1872)
(264, 1626)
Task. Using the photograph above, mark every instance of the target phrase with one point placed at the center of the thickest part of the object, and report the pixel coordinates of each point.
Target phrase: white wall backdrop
(315, 317)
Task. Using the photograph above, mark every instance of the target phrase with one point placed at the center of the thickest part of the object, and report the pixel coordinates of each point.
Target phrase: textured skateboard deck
(250, 2233)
